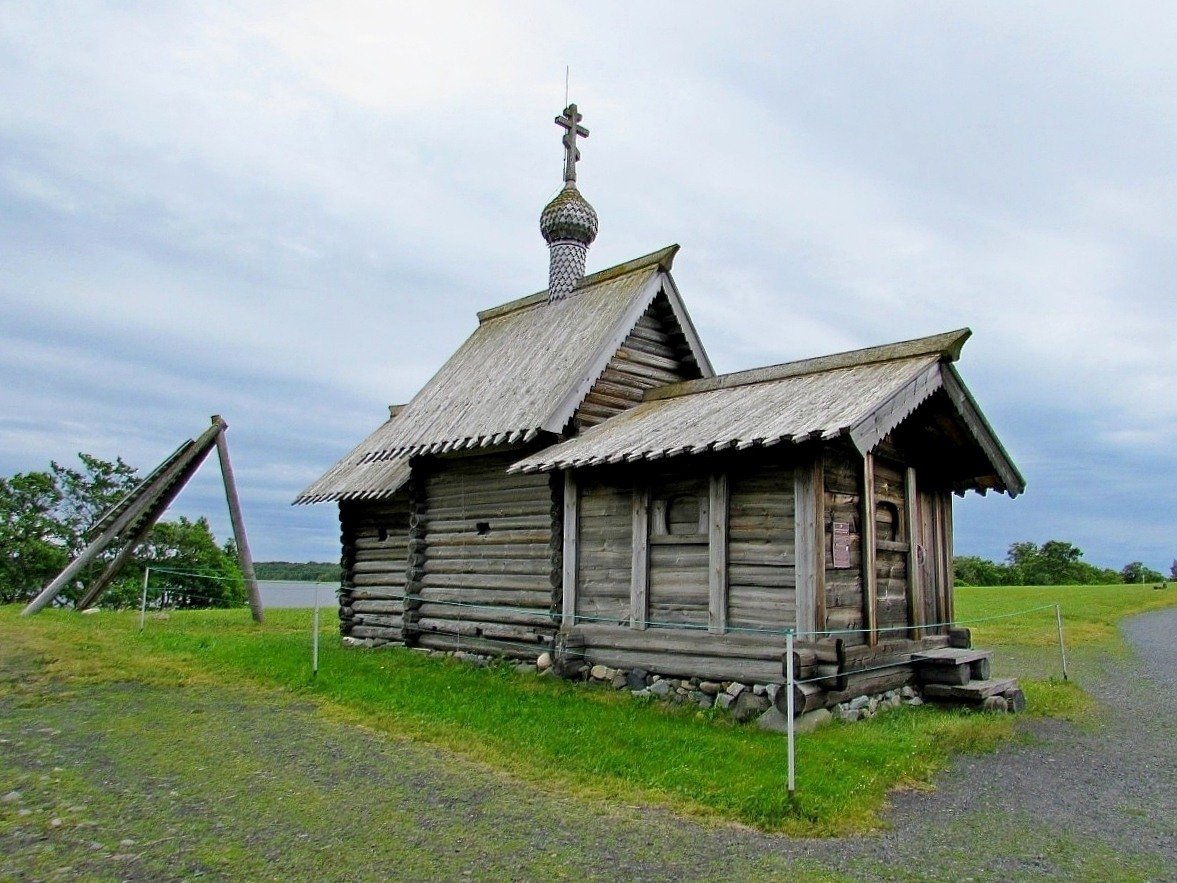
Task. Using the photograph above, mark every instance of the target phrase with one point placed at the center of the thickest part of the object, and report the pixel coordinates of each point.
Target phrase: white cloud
(289, 213)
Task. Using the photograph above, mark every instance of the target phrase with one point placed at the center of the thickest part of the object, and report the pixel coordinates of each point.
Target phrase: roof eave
(1012, 479)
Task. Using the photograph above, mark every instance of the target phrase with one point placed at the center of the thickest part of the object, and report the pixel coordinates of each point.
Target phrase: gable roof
(524, 370)
(862, 394)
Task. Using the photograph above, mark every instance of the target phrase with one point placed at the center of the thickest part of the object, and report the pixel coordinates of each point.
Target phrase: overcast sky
(289, 213)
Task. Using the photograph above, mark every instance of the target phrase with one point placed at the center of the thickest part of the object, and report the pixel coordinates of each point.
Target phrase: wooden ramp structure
(130, 521)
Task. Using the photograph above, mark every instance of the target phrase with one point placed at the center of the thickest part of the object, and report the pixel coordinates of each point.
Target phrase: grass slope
(571, 738)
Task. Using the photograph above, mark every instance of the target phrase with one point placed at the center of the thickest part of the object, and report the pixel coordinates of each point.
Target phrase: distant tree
(1173, 569)
(972, 570)
(1054, 563)
(31, 546)
(88, 494)
(308, 571)
(1137, 572)
(188, 569)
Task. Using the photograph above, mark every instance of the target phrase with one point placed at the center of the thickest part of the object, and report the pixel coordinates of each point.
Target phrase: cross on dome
(570, 122)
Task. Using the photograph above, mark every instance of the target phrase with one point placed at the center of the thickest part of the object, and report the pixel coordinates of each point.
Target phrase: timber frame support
(131, 520)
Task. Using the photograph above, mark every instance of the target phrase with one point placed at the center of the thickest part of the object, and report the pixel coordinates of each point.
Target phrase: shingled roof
(523, 371)
(863, 395)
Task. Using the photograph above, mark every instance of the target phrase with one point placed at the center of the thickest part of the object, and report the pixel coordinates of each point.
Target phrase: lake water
(280, 593)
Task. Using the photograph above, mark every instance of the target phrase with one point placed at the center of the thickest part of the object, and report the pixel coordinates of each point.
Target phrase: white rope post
(315, 637)
(789, 675)
(1062, 647)
(143, 603)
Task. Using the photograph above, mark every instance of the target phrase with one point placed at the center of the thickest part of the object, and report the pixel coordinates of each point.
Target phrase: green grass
(1028, 646)
(592, 742)
(588, 741)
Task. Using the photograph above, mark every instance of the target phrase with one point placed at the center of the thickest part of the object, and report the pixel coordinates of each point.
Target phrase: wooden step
(950, 656)
(973, 691)
(952, 665)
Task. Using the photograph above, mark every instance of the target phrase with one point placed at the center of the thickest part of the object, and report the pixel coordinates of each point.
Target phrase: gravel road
(1061, 803)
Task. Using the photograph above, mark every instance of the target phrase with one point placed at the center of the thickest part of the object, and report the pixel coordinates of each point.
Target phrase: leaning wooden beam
(128, 513)
(98, 586)
(255, 597)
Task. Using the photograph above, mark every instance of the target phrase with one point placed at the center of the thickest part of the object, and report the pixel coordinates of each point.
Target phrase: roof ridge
(663, 258)
(946, 345)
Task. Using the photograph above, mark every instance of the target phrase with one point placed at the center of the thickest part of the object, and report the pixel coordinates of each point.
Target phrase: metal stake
(315, 638)
(789, 707)
(1062, 647)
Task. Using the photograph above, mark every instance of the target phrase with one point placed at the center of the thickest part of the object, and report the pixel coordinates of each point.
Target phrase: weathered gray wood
(640, 565)
(115, 567)
(366, 605)
(717, 536)
(864, 683)
(869, 575)
(571, 551)
(512, 650)
(946, 553)
(973, 691)
(807, 541)
(135, 506)
(384, 632)
(806, 697)
(684, 665)
(238, 522)
(915, 584)
(690, 642)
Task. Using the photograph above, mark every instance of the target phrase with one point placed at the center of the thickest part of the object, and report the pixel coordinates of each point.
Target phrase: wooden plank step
(949, 656)
(973, 691)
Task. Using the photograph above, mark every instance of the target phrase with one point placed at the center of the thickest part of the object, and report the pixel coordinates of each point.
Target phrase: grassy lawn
(1027, 646)
(570, 738)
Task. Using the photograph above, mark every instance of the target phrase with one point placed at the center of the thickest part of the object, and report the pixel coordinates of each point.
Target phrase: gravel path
(1092, 803)
(1062, 803)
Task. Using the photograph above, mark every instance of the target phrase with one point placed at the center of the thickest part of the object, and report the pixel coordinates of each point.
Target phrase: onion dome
(569, 217)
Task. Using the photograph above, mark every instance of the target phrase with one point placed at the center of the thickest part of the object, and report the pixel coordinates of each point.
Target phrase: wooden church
(576, 479)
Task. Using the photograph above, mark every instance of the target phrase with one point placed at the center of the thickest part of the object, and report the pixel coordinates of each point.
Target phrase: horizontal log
(479, 645)
(376, 606)
(686, 642)
(770, 577)
(496, 597)
(469, 526)
(480, 551)
(369, 631)
(379, 581)
(376, 593)
(517, 582)
(382, 565)
(525, 567)
(689, 665)
(806, 698)
(869, 683)
(506, 495)
(743, 555)
(780, 532)
(482, 614)
(377, 619)
(494, 538)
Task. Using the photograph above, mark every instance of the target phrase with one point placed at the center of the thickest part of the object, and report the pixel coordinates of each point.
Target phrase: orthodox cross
(570, 121)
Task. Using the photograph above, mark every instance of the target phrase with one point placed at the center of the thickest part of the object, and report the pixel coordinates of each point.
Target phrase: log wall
(605, 553)
(761, 549)
(486, 577)
(679, 587)
(758, 588)
(375, 539)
